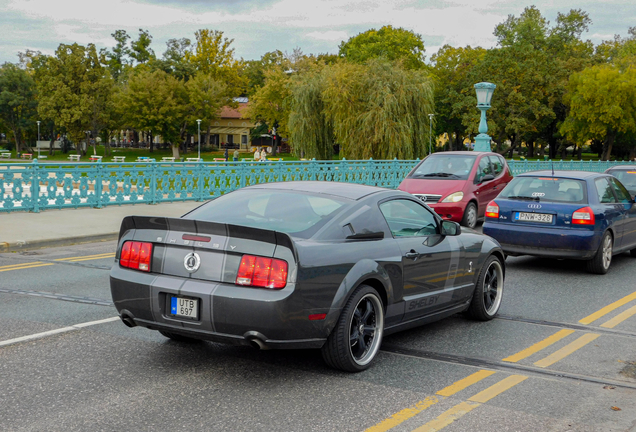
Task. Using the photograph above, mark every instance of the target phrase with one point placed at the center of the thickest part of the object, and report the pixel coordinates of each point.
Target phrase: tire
(600, 264)
(178, 337)
(470, 216)
(633, 252)
(364, 310)
(488, 291)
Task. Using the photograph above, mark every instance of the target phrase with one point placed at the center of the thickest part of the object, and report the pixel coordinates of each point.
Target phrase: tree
(378, 110)
(601, 101)
(116, 59)
(390, 43)
(174, 59)
(17, 101)
(140, 49)
(71, 85)
(206, 97)
(310, 130)
(154, 101)
(453, 83)
(211, 54)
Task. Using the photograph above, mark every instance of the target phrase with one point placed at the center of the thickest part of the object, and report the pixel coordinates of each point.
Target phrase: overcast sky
(259, 26)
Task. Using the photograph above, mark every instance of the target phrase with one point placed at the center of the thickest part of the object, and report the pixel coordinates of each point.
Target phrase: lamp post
(38, 143)
(484, 92)
(199, 137)
(430, 133)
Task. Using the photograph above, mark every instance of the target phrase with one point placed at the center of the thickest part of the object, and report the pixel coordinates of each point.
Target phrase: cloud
(332, 36)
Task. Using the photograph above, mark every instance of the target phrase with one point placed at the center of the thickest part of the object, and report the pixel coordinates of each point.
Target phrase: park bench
(194, 159)
(95, 158)
(145, 159)
(74, 158)
(26, 155)
(119, 158)
(219, 160)
(5, 155)
(167, 159)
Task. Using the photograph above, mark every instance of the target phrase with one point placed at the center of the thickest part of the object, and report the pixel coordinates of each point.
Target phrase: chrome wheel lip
(499, 279)
(607, 251)
(376, 340)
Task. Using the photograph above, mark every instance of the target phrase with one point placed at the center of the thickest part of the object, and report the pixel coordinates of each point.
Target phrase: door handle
(412, 254)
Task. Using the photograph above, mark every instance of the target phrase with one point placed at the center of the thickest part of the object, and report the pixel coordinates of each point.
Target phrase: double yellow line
(501, 386)
(35, 264)
(24, 266)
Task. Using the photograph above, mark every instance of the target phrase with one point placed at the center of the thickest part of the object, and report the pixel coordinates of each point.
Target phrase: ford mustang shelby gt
(322, 265)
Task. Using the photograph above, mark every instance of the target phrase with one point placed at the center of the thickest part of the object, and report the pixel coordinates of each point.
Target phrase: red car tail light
(492, 210)
(262, 272)
(136, 255)
(583, 216)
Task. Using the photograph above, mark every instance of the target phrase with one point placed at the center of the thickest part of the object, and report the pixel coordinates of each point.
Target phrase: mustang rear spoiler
(197, 227)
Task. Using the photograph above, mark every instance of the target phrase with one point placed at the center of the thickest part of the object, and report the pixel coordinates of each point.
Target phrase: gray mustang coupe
(322, 265)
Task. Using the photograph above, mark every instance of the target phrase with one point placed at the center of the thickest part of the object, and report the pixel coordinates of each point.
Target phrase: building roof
(234, 113)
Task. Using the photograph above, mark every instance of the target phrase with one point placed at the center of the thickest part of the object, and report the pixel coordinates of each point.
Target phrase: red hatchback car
(458, 185)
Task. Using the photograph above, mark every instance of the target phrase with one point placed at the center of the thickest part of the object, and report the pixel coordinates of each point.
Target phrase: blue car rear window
(546, 189)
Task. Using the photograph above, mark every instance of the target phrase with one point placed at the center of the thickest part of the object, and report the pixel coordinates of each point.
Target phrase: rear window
(444, 166)
(294, 213)
(546, 189)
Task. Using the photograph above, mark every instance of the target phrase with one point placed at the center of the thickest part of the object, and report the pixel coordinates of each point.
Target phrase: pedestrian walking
(225, 154)
(235, 155)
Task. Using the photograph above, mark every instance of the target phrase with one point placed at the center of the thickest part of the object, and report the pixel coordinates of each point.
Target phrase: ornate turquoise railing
(40, 186)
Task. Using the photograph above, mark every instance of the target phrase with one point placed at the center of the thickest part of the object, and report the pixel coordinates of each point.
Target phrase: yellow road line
(466, 382)
(420, 406)
(22, 267)
(498, 388)
(567, 350)
(459, 410)
(620, 318)
(607, 309)
(538, 346)
(95, 258)
(88, 257)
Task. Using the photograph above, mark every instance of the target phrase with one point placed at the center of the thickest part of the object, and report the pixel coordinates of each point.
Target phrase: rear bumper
(450, 211)
(226, 313)
(544, 241)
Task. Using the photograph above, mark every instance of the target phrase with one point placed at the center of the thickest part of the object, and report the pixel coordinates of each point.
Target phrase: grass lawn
(132, 154)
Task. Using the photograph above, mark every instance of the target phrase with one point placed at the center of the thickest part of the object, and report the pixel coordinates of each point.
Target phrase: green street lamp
(430, 133)
(484, 92)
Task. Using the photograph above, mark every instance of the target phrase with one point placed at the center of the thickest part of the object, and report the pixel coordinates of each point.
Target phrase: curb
(66, 241)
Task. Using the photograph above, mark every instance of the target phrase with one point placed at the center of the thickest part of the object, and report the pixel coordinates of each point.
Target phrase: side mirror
(486, 178)
(450, 228)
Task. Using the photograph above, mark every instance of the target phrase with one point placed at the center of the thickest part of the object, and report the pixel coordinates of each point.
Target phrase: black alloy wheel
(356, 339)
(488, 291)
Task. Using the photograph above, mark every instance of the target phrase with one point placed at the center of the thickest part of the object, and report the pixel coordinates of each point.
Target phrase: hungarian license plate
(534, 217)
(184, 307)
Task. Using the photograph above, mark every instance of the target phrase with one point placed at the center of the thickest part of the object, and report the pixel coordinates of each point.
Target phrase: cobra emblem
(191, 262)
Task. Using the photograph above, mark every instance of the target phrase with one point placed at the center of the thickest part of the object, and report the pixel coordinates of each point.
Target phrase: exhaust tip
(256, 340)
(128, 321)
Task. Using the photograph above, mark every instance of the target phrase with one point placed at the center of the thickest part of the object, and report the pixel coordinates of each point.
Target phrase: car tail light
(492, 210)
(262, 272)
(583, 216)
(136, 255)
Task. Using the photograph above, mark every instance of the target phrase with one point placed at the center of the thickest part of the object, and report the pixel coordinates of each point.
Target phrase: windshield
(445, 166)
(627, 177)
(545, 189)
(295, 213)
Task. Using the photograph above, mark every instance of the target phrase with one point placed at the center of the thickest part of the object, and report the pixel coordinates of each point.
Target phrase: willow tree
(379, 109)
(310, 130)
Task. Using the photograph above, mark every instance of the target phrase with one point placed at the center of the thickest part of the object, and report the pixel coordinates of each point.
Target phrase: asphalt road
(560, 357)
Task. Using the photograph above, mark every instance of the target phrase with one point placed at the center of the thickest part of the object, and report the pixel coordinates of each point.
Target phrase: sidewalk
(24, 230)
